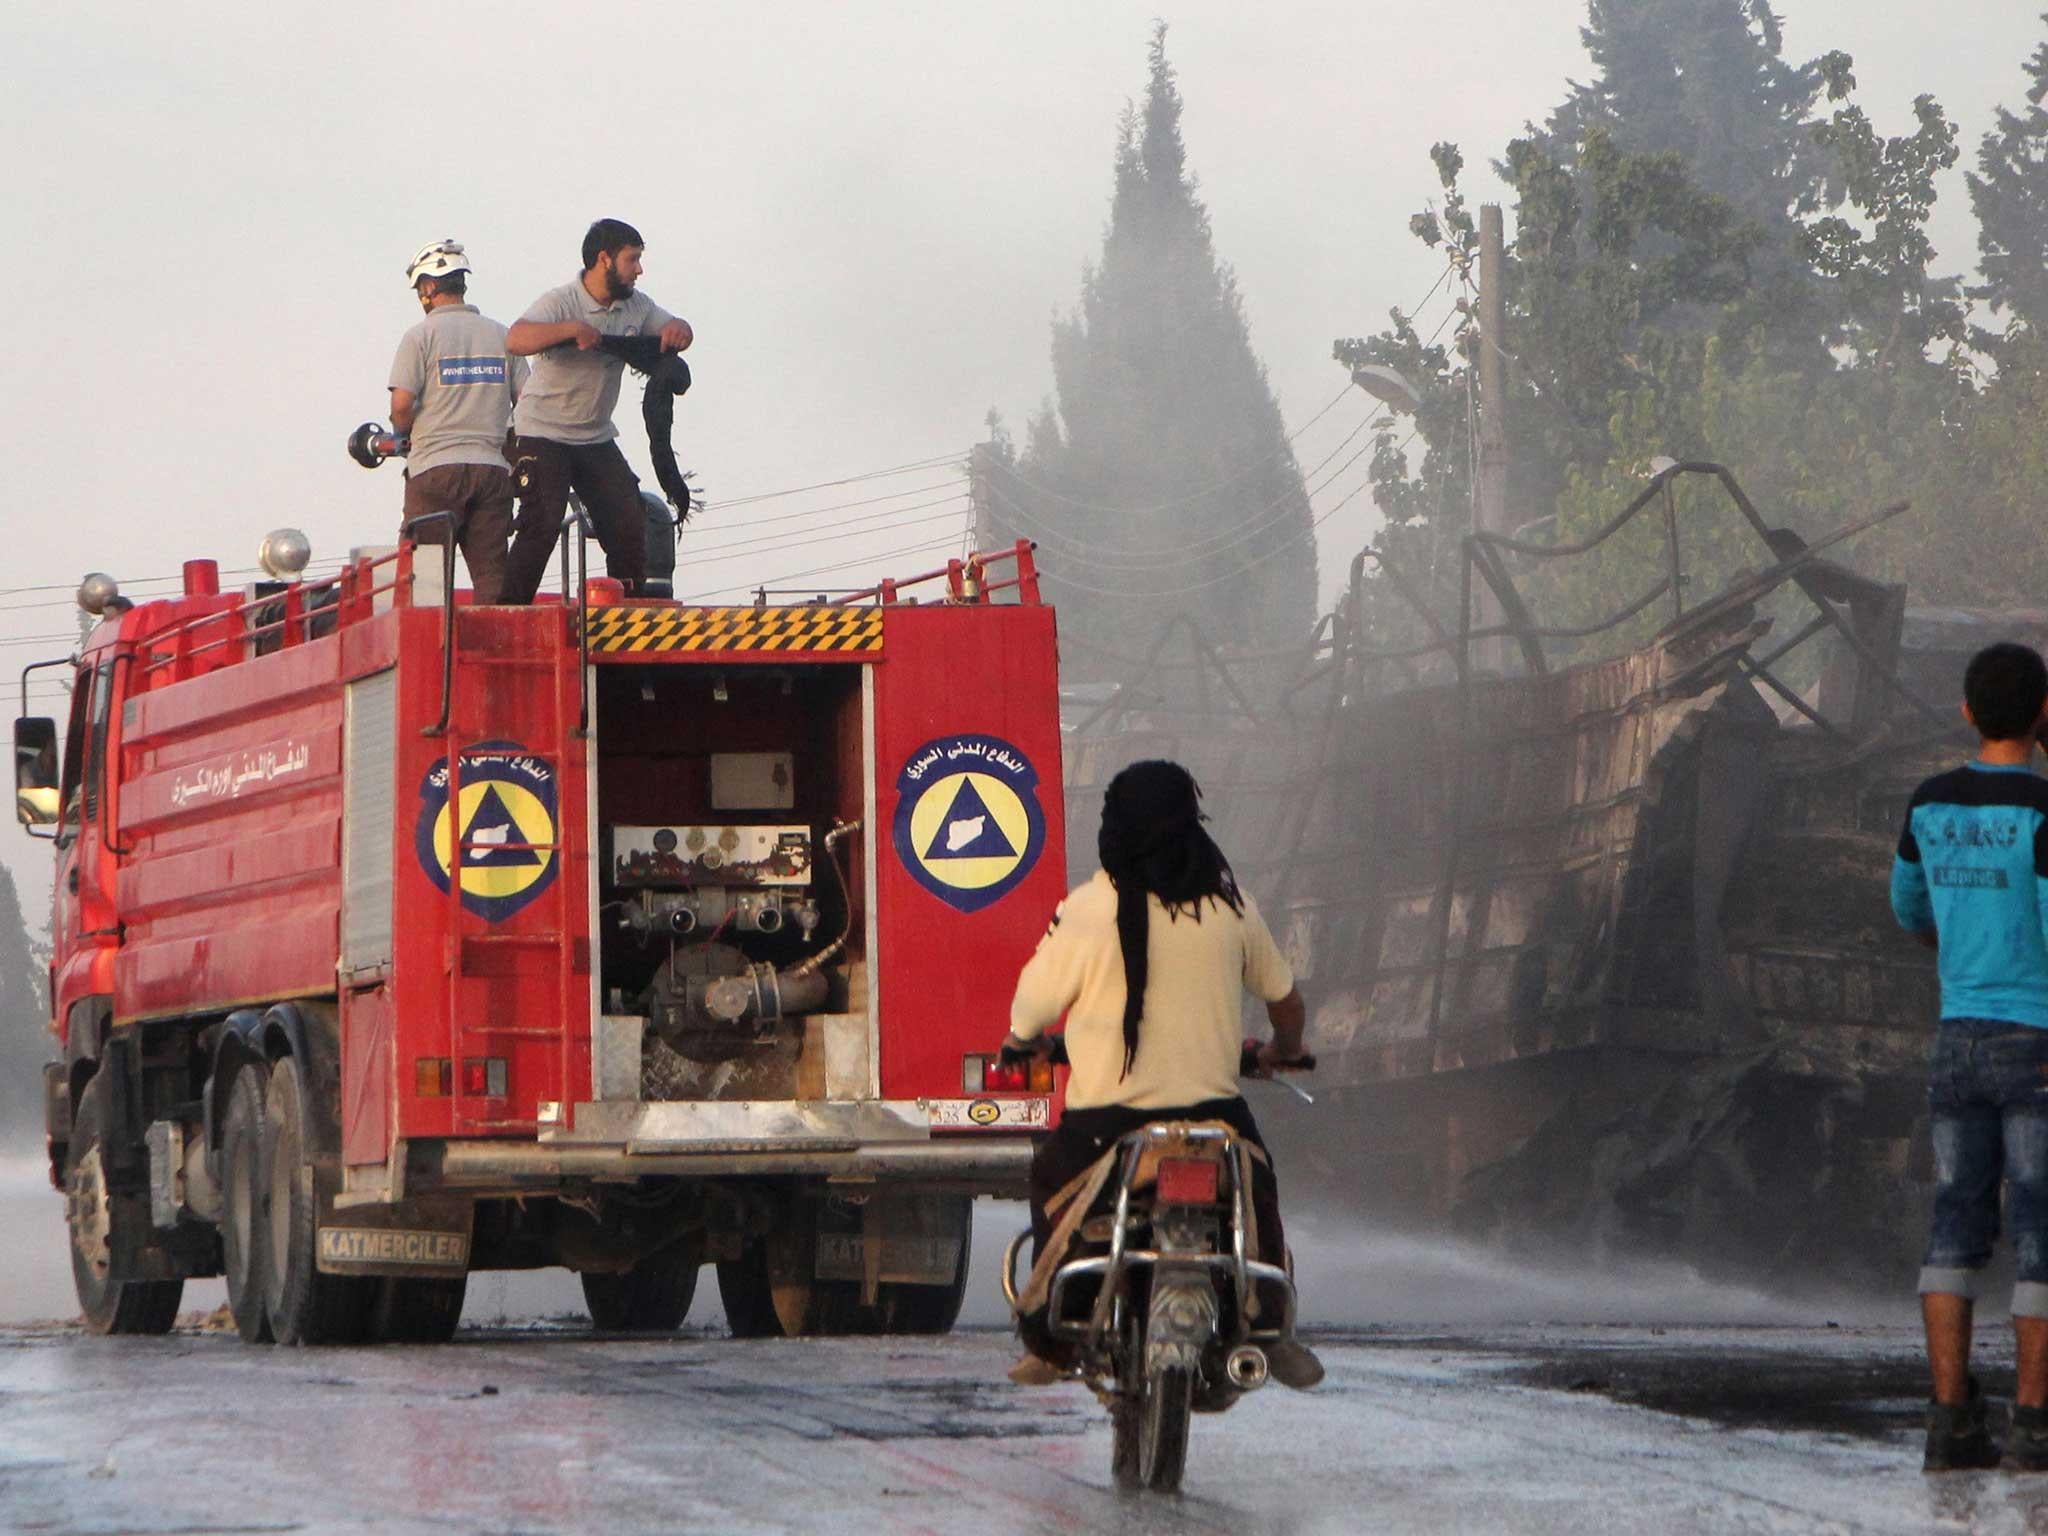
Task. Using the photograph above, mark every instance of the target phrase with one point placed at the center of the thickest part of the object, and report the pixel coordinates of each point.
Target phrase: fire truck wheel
(653, 1296)
(306, 1307)
(424, 1311)
(771, 1292)
(92, 1211)
(743, 1292)
(931, 1308)
(242, 1216)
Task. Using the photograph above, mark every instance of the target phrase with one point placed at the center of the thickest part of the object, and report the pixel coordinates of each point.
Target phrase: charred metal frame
(1336, 657)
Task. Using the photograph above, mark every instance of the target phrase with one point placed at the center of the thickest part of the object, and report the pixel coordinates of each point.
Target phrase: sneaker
(1293, 1364)
(2026, 1447)
(1036, 1371)
(1959, 1436)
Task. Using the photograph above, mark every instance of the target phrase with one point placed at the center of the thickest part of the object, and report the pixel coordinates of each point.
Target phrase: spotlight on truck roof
(284, 553)
(96, 591)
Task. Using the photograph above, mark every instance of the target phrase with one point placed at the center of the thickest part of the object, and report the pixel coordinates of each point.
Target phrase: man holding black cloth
(564, 438)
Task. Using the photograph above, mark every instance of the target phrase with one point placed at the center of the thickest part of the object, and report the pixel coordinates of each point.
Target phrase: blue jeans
(1987, 1096)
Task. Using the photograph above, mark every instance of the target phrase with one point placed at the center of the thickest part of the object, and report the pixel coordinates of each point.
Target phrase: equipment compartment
(730, 913)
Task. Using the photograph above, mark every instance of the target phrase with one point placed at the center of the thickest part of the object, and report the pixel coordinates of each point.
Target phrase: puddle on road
(1868, 1398)
(903, 1410)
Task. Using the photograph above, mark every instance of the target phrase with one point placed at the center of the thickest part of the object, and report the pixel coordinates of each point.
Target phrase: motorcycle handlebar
(1248, 1062)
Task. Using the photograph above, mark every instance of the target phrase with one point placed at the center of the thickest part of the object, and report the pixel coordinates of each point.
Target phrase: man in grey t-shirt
(452, 388)
(563, 434)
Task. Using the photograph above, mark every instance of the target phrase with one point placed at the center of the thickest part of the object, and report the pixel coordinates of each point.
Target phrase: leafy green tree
(1162, 482)
(1893, 308)
(1789, 322)
(2009, 192)
(1612, 255)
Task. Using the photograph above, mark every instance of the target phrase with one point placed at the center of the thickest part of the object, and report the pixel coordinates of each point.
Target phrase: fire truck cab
(397, 937)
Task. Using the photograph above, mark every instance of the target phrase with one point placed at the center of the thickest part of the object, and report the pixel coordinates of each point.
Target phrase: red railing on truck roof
(306, 610)
(967, 579)
(297, 612)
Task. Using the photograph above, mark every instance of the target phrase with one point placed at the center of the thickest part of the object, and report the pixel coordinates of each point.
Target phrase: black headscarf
(1152, 842)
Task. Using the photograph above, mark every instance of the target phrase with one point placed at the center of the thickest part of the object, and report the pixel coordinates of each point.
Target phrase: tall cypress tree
(1706, 80)
(1163, 482)
(2009, 192)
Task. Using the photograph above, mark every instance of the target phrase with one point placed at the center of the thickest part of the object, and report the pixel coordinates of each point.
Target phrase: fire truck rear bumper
(977, 1164)
(878, 1140)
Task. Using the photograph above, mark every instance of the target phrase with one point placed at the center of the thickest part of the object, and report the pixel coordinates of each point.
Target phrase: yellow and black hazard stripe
(735, 629)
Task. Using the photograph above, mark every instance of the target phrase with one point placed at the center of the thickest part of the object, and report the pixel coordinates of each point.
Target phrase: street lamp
(1388, 386)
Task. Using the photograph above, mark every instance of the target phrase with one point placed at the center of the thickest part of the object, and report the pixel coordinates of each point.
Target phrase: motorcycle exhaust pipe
(1245, 1367)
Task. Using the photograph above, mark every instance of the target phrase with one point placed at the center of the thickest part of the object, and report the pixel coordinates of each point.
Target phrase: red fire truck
(397, 937)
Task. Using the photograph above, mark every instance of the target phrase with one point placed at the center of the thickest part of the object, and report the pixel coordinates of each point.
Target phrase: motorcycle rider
(1148, 961)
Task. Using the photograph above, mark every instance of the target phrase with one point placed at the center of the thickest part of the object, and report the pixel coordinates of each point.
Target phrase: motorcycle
(1165, 1312)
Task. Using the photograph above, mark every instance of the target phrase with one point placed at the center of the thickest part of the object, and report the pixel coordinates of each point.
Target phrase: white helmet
(437, 260)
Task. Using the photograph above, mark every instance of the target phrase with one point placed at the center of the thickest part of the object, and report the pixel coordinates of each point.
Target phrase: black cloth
(667, 377)
(544, 472)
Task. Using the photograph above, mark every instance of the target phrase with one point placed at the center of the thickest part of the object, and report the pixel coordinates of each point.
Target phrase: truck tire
(305, 1306)
(91, 1212)
(771, 1291)
(243, 1216)
(743, 1292)
(931, 1309)
(423, 1311)
(653, 1296)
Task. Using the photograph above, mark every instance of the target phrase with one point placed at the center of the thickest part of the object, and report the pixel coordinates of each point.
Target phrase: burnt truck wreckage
(1600, 958)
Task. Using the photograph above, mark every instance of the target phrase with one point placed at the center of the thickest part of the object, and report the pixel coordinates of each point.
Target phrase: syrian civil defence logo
(507, 816)
(968, 823)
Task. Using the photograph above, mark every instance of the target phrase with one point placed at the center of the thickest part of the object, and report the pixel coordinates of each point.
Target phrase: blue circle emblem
(508, 820)
(968, 823)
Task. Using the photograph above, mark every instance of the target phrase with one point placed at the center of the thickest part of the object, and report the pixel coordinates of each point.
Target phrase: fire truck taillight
(433, 1077)
(987, 1074)
(483, 1077)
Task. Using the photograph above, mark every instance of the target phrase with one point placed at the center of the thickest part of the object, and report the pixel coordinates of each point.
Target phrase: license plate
(905, 1260)
(392, 1246)
(990, 1114)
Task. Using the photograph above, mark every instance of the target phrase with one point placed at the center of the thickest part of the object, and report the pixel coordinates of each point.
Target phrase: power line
(130, 586)
(1271, 515)
(828, 538)
(1259, 559)
(826, 485)
(842, 506)
(838, 565)
(1286, 446)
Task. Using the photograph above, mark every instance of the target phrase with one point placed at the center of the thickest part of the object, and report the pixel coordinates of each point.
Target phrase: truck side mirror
(35, 771)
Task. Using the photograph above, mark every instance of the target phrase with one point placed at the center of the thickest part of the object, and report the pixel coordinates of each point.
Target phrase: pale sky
(870, 213)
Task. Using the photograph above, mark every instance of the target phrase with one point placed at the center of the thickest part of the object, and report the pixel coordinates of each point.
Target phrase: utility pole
(1490, 509)
(979, 498)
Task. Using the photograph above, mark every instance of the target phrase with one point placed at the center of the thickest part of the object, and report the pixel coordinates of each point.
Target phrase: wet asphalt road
(543, 1429)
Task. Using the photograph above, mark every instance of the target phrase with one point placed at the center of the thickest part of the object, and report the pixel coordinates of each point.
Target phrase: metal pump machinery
(710, 889)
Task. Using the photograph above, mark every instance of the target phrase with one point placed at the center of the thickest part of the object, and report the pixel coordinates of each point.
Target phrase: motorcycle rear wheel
(1163, 1428)
(1125, 1414)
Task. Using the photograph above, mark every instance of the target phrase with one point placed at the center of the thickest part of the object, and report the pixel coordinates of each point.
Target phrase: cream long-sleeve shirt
(1200, 962)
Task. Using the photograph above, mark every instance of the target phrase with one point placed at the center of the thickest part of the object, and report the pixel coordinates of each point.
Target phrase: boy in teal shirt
(1970, 878)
